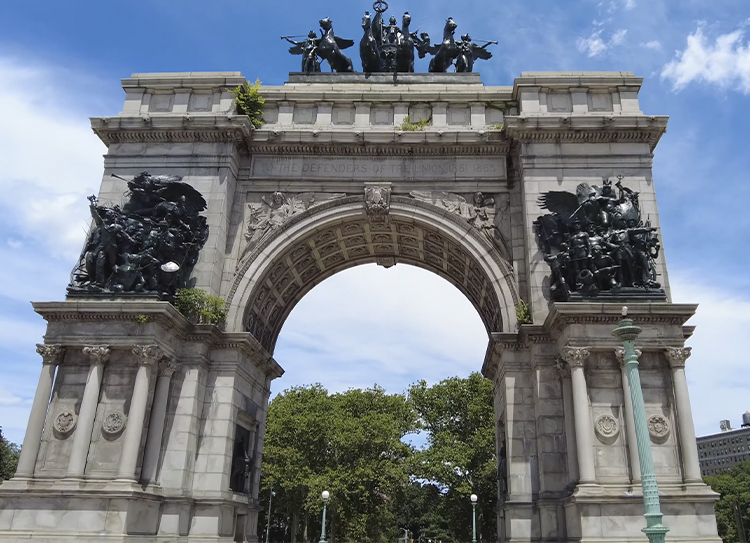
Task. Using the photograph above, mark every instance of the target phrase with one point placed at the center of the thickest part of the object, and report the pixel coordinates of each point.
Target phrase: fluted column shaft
(98, 356)
(690, 462)
(584, 432)
(635, 466)
(147, 356)
(570, 430)
(51, 357)
(156, 424)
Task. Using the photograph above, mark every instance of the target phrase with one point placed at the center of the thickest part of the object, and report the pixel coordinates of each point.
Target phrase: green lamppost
(473, 518)
(626, 332)
(325, 495)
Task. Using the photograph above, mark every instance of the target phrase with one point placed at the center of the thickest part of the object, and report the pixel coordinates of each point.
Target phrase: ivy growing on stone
(407, 125)
(523, 315)
(248, 101)
(200, 308)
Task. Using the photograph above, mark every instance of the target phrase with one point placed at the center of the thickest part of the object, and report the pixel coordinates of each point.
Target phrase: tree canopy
(734, 504)
(9, 453)
(352, 444)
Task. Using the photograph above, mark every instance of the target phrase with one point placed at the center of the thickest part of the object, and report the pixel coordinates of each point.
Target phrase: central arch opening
(367, 327)
(369, 324)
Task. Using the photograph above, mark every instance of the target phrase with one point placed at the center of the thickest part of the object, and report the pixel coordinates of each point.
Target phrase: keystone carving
(148, 354)
(98, 354)
(378, 202)
(620, 354)
(51, 354)
(575, 356)
(677, 356)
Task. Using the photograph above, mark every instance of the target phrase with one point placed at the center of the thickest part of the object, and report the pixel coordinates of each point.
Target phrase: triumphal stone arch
(148, 427)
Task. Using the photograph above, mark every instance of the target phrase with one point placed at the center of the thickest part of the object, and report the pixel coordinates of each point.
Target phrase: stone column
(575, 357)
(147, 356)
(156, 425)
(635, 466)
(570, 430)
(98, 356)
(691, 465)
(51, 357)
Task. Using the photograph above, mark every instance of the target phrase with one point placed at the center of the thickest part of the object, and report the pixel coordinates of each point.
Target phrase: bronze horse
(330, 46)
(446, 51)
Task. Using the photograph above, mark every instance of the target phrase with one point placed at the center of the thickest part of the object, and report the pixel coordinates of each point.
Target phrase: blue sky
(61, 63)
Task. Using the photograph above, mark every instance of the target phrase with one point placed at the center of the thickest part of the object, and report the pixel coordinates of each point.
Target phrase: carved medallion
(65, 422)
(606, 426)
(114, 422)
(658, 426)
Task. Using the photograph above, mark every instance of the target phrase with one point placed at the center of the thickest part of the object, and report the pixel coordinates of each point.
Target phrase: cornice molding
(172, 128)
(429, 147)
(563, 314)
(588, 128)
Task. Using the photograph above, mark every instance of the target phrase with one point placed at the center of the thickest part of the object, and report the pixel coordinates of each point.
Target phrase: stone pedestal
(600, 498)
(116, 416)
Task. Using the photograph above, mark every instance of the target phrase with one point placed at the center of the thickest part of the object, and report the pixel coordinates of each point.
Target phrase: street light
(626, 332)
(325, 495)
(474, 518)
(268, 520)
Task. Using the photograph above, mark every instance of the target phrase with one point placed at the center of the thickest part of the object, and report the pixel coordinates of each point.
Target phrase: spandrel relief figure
(274, 210)
(150, 245)
(596, 243)
(480, 213)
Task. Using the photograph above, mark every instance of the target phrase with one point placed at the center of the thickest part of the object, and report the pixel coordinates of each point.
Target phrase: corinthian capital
(677, 356)
(575, 356)
(148, 354)
(620, 354)
(167, 367)
(51, 354)
(98, 354)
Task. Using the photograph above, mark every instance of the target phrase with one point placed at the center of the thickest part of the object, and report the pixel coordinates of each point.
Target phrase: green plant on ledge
(141, 319)
(523, 315)
(248, 101)
(408, 126)
(200, 308)
(496, 126)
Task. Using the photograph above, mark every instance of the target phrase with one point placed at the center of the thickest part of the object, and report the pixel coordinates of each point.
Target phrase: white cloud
(717, 370)
(595, 46)
(374, 325)
(653, 44)
(51, 159)
(629, 4)
(725, 62)
(618, 37)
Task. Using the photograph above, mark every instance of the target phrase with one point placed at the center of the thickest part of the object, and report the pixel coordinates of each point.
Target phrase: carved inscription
(427, 168)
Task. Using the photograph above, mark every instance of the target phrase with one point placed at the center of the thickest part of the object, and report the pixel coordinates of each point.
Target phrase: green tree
(349, 444)
(734, 487)
(460, 458)
(9, 453)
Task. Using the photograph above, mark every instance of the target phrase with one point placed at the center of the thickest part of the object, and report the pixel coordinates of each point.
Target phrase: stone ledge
(386, 78)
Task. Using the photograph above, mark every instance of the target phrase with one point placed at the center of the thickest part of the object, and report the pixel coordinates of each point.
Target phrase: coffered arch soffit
(332, 237)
